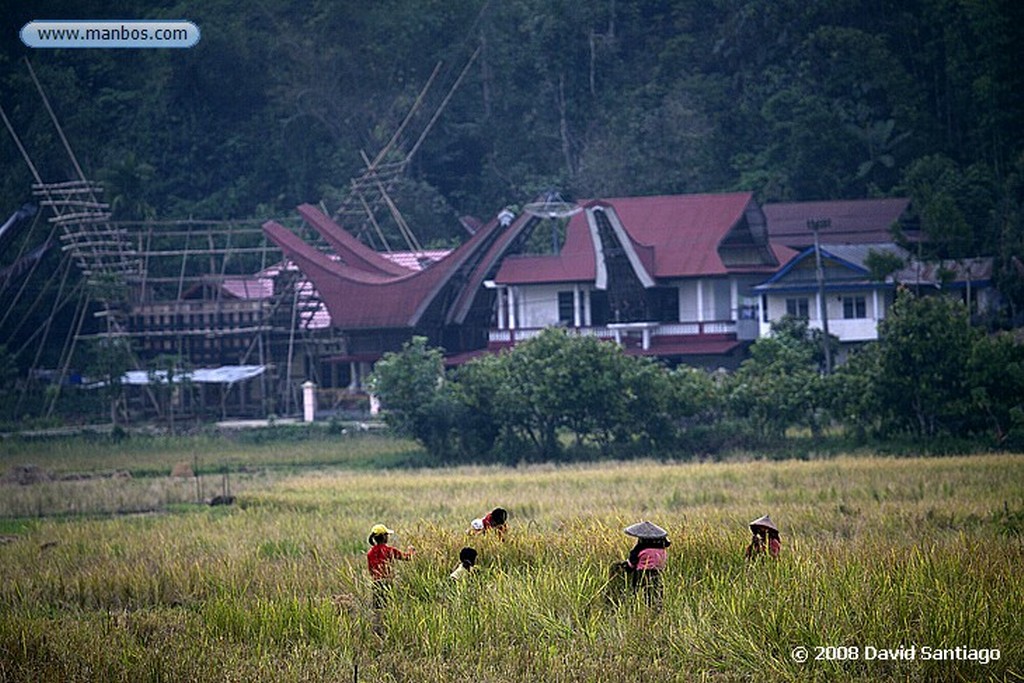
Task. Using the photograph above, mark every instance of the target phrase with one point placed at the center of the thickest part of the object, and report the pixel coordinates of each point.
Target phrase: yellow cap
(380, 529)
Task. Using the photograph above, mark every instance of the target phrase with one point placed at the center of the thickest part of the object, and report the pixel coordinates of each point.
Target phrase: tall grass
(287, 448)
(876, 552)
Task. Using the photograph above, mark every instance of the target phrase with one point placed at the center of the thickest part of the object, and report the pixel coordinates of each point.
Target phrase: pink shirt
(651, 558)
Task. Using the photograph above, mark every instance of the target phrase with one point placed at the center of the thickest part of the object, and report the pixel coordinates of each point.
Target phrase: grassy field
(878, 554)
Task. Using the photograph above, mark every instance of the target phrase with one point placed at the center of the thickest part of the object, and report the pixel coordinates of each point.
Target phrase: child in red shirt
(379, 560)
(495, 520)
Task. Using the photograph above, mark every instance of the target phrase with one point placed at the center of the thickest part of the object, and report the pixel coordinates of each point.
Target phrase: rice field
(891, 569)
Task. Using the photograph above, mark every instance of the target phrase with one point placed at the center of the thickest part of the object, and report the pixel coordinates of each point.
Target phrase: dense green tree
(536, 372)
(107, 360)
(651, 405)
(1009, 265)
(696, 394)
(275, 104)
(780, 385)
(522, 401)
(922, 379)
(882, 264)
(954, 206)
(996, 380)
(478, 387)
(851, 394)
(407, 381)
(592, 389)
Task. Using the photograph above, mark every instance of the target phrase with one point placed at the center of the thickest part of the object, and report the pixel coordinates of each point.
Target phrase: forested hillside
(793, 100)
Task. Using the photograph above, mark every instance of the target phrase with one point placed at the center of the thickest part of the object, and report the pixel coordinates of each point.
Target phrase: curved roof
(347, 247)
(367, 299)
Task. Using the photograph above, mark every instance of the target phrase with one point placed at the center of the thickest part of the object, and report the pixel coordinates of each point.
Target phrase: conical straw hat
(645, 530)
(765, 522)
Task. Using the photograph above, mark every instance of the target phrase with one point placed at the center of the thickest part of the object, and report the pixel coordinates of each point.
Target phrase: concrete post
(308, 401)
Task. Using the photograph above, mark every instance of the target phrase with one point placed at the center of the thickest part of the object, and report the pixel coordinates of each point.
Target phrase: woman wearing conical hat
(765, 538)
(647, 559)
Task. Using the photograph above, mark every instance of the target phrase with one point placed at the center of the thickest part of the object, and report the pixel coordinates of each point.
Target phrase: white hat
(645, 530)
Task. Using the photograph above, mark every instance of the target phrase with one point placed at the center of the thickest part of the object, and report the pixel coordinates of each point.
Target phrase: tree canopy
(795, 101)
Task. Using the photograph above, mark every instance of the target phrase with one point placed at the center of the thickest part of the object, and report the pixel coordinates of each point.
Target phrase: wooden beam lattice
(97, 248)
(369, 193)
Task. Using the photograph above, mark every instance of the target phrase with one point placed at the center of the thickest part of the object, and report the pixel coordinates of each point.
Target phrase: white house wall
(720, 303)
(688, 306)
(537, 305)
(847, 330)
(708, 300)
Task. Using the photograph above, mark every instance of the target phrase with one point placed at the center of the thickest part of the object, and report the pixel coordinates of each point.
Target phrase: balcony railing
(624, 332)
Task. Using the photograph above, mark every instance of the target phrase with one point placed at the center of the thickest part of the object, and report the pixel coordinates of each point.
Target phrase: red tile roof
(694, 347)
(685, 230)
(685, 347)
(673, 235)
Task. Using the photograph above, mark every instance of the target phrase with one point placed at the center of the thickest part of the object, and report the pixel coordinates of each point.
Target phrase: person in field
(647, 560)
(467, 560)
(764, 540)
(379, 560)
(496, 520)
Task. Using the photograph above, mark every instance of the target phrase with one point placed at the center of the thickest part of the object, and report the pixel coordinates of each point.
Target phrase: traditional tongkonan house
(664, 276)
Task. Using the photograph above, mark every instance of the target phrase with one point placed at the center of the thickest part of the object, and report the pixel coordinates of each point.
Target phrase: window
(599, 307)
(797, 308)
(565, 308)
(854, 307)
(665, 304)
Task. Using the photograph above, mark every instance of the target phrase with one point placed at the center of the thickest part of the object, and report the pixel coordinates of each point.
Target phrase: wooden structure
(206, 293)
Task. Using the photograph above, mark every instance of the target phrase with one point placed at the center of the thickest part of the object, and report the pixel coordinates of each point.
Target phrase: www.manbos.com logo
(70, 33)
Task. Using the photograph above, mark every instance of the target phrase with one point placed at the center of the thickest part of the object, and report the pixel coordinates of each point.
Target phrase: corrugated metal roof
(415, 260)
(247, 288)
(958, 270)
(854, 221)
(225, 374)
(858, 253)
